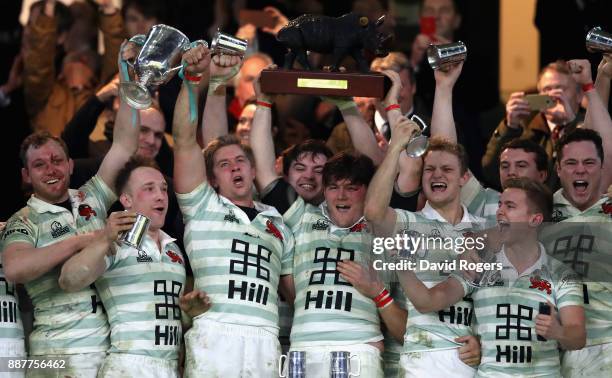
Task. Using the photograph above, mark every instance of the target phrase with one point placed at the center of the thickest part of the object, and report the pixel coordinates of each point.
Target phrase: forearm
(25, 264)
(214, 122)
(602, 86)
(394, 318)
(362, 136)
(381, 186)
(442, 120)
(83, 268)
(263, 147)
(183, 130)
(573, 337)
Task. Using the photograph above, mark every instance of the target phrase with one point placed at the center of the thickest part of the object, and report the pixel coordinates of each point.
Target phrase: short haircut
(343, 166)
(578, 135)
(148, 8)
(539, 197)
(216, 144)
(310, 146)
(36, 140)
(444, 145)
(528, 145)
(454, 2)
(135, 162)
(394, 61)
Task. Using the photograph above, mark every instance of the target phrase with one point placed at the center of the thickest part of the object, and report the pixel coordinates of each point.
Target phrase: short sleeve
(195, 201)
(293, 216)
(19, 229)
(288, 250)
(569, 290)
(97, 188)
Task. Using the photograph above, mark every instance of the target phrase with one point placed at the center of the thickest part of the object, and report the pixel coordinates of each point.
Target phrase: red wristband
(383, 303)
(383, 293)
(193, 79)
(264, 104)
(391, 107)
(587, 87)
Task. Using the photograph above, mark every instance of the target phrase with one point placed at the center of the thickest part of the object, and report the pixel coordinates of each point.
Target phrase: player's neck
(452, 211)
(155, 235)
(523, 253)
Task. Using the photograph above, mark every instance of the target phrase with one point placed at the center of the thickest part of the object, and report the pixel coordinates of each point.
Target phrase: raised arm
(222, 69)
(111, 26)
(261, 138)
(604, 74)
(597, 116)
(125, 144)
(442, 120)
(189, 169)
(377, 210)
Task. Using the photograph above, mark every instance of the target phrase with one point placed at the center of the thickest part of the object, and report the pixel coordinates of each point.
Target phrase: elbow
(68, 282)
(423, 308)
(13, 273)
(374, 213)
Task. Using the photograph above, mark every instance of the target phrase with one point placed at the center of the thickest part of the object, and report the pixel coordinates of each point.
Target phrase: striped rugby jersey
(65, 323)
(237, 262)
(328, 309)
(505, 315)
(436, 330)
(140, 291)
(583, 241)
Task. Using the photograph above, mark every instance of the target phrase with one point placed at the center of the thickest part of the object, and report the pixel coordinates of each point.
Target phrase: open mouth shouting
(438, 187)
(580, 186)
(238, 181)
(343, 208)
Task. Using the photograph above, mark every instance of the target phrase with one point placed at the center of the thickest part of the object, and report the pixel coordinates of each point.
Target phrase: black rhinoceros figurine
(344, 35)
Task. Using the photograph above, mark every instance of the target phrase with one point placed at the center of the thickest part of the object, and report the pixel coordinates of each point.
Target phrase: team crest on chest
(86, 211)
(361, 226)
(539, 283)
(606, 208)
(271, 229)
(174, 257)
(557, 216)
(143, 257)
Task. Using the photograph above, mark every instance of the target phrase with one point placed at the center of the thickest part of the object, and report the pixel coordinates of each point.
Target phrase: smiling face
(345, 201)
(514, 216)
(48, 170)
(233, 174)
(442, 178)
(580, 170)
(306, 176)
(516, 162)
(146, 193)
(152, 127)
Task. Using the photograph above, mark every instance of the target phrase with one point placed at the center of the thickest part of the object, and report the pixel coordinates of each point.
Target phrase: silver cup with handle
(598, 40)
(225, 44)
(442, 56)
(157, 62)
(340, 366)
(418, 143)
(296, 366)
(135, 235)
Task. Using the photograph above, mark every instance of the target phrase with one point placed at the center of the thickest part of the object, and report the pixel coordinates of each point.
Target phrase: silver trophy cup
(296, 368)
(442, 56)
(419, 143)
(225, 44)
(156, 64)
(341, 365)
(135, 236)
(598, 40)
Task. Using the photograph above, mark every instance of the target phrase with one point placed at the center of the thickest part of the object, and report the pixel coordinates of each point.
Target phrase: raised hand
(197, 59)
(516, 109)
(581, 71)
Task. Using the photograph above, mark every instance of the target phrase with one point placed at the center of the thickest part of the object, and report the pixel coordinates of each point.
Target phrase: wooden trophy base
(321, 83)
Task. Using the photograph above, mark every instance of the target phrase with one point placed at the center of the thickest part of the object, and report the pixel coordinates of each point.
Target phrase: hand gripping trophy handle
(419, 143)
(157, 61)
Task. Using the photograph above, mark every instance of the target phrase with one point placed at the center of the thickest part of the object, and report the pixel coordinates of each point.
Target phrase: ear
(25, 176)
(70, 166)
(558, 168)
(363, 21)
(536, 220)
(464, 178)
(543, 175)
(125, 200)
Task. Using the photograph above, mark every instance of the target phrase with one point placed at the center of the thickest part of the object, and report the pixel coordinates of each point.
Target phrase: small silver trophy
(156, 64)
(135, 236)
(419, 143)
(598, 40)
(225, 44)
(296, 367)
(442, 56)
(341, 365)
